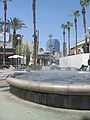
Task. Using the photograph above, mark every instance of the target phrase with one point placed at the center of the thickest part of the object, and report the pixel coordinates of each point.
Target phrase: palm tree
(5, 13)
(16, 24)
(76, 14)
(87, 2)
(69, 25)
(84, 3)
(35, 36)
(64, 43)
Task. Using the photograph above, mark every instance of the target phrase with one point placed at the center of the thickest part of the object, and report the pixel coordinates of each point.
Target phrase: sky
(50, 15)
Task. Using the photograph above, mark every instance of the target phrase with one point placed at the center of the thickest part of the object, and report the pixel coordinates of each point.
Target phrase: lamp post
(18, 38)
(50, 36)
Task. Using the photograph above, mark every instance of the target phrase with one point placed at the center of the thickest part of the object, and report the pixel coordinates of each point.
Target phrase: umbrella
(15, 56)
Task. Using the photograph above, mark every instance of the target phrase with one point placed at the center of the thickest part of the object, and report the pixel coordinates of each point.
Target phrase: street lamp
(50, 37)
(18, 38)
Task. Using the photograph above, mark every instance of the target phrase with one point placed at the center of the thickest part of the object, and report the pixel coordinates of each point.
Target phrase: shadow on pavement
(85, 118)
(4, 86)
(5, 89)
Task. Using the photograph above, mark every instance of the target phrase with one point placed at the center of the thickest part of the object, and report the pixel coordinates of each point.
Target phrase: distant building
(8, 43)
(53, 45)
(80, 47)
(8, 35)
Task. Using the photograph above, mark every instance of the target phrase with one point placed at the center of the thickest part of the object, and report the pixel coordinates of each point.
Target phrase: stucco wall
(74, 61)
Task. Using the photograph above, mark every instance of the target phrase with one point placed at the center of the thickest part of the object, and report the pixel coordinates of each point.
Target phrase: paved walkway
(13, 108)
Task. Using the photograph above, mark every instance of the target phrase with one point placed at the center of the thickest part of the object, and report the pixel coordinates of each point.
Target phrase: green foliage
(27, 49)
(64, 26)
(16, 24)
(84, 2)
(18, 49)
(76, 13)
(69, 24)
(87, 2)
(1, 66)
(23, 49)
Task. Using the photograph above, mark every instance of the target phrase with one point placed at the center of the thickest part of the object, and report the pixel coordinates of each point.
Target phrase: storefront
(8, 52)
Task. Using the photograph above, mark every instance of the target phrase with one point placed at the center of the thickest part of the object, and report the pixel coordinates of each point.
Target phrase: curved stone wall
(70, 96)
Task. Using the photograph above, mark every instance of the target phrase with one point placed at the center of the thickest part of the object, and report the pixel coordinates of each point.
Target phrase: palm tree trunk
(68, 41)
(84, 18)
(75, 20)
(84, 23)
(14, 38)
(35, 37)
(5, 8)
(64, 43)
(27, 59)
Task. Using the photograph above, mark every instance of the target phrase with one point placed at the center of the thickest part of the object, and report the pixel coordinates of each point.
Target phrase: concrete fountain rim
(69, 89)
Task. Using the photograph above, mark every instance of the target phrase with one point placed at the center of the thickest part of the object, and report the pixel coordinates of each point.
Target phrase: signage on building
(2, 32)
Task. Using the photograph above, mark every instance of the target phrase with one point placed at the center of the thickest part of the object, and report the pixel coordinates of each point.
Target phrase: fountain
(57, 88)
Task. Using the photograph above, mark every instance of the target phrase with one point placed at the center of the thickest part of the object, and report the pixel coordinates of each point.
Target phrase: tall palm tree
(16, 24)
(35, 36)
(76, 14)
(63, 26)
(5, 13)
(83, 4)
(69, 25)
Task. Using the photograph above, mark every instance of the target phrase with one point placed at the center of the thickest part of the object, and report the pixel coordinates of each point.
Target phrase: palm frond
(64, 26)
(76, 13)
(16, 23)
(84, 2)
(87, 2)
(69, 24)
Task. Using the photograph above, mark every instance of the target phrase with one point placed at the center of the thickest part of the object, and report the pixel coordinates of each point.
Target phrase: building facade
(53, 45)
(8, 42)
(80, 47)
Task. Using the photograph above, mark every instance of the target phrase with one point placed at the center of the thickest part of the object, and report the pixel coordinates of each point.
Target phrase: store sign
(2, 32)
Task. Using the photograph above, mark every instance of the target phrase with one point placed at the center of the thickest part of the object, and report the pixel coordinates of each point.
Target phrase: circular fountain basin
(64, 89)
